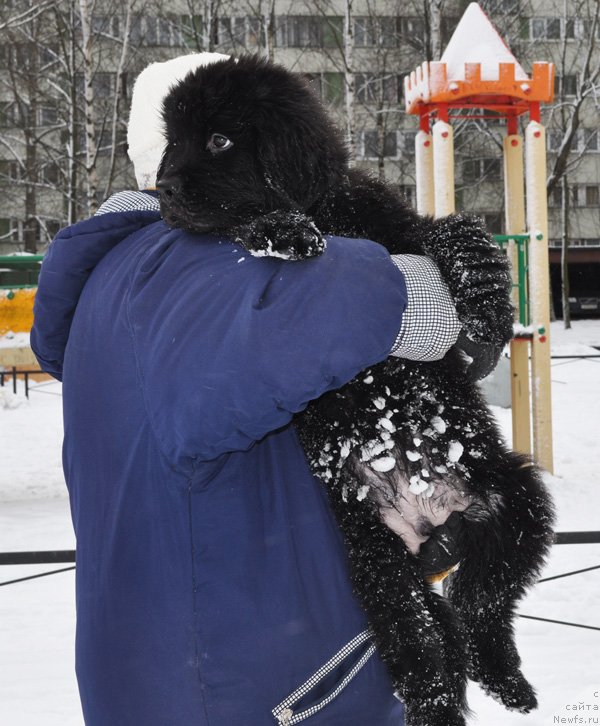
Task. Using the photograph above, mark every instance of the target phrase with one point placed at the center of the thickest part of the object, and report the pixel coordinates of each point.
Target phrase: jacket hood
(70, 260)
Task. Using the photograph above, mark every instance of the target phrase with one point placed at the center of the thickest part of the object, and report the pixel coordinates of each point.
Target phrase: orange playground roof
(478, 70)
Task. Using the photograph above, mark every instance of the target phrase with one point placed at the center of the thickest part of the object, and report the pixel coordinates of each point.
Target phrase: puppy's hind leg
(503, 546)
(417, 634)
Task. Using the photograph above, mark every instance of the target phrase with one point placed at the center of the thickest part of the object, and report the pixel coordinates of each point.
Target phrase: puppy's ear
(302, 159)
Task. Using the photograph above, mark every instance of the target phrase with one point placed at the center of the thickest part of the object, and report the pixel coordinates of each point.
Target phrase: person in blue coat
(212, 582)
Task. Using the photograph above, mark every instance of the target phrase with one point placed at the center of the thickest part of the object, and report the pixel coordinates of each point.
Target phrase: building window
(103, 84)
(555, 198)
(592, 196)
(165, 32)
(376, 88)
(48, 116)
(591, 139)
(566, 85)
(365, 32)
(8, 115)
(409, 192)
(329, 87)
(49, 54)
(50, 228)
(580, 242)
(508, 6)
(412, 28)
(475, 170)
(105, 25)
(569, 28)
(493, 221)
(554, 139)
(254, 32)
(371, 145)
(333, 86)
(9, 171)
(308, 31)
(381, 32)
(50, 174)
(8, 230)
(407, 142)
(191, 28)
(549, 29)
(545, 28)
(577, 196)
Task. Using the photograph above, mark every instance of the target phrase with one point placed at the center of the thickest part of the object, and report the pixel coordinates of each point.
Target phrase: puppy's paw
(477, 273)
(287, 235)
(512, 690)
(430, 713)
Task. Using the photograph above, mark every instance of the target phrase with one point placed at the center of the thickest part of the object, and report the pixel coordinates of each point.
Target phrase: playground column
(539, 291)
(514, 204)
(424, 169)
(443, 168)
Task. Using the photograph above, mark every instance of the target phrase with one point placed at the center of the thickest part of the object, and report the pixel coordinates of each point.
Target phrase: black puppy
(251, 151)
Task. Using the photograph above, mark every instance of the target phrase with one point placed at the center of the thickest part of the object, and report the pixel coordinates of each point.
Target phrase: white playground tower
(478, 72)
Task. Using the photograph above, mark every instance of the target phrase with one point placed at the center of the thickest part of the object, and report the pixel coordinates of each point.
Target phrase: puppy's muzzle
(169, 187)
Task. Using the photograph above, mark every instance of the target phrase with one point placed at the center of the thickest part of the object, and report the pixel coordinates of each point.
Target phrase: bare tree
(64, 90)
(118, 94)
(565, 250)
(574, 49)
(433, 13)
(86, 10)
(21, 84)
(566, 116)
(26, 15)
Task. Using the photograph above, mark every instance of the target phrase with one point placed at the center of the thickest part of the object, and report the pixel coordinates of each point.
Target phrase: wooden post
(443, 168)
(424, 173)
(514, 205)
(539, 286)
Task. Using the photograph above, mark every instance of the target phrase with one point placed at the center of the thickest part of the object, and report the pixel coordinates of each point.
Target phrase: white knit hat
(145, 131)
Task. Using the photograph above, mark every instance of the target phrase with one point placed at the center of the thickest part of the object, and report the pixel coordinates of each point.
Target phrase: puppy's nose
(169, 185)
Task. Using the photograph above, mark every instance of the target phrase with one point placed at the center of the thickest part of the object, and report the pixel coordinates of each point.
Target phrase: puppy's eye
(218, 142)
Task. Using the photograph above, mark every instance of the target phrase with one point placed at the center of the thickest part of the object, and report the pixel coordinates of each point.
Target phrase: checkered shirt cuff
(430, 325)
(129, 201)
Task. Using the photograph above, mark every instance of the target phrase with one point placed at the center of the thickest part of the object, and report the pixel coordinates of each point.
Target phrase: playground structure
(18, 285)
(478, 73)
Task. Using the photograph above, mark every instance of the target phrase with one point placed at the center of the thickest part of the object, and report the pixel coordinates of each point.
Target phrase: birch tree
(86, 10)
(118, 94)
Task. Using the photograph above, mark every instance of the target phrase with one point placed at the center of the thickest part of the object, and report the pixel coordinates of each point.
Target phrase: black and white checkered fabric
(430, 325)
(129, 201)
(284, 712)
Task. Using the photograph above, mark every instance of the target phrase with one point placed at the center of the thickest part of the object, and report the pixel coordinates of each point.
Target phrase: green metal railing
(23, 269)
(522, 245)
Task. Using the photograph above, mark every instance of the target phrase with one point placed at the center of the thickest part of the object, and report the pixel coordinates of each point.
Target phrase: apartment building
(44, 170)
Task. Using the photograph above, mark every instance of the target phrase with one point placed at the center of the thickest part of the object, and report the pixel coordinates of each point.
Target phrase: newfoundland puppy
(251, 152)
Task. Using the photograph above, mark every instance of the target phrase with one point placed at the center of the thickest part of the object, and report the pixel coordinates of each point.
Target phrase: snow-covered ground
(38, 688)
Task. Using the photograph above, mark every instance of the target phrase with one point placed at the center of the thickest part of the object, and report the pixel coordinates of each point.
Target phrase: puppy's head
(244, 137)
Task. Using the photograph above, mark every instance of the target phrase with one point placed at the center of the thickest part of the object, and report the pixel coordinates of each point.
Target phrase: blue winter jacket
(212, 583)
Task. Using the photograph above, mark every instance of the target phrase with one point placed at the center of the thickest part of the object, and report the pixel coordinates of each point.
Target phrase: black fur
(286, 172)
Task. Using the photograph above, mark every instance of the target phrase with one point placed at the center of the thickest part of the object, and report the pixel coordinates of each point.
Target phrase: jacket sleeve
(68, 263)
(252, 341)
